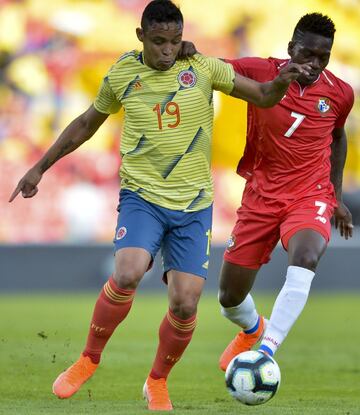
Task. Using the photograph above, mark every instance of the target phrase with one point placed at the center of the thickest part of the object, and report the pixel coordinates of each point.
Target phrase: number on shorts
(321, 206)
(299, 118)
(208, 234)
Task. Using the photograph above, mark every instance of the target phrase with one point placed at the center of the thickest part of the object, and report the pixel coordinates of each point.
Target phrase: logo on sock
(172, 359)
(97, 328)
(271, 340)
(120, 234)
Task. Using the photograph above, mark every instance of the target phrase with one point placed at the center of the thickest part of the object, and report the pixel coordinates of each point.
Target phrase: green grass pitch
(41, 335)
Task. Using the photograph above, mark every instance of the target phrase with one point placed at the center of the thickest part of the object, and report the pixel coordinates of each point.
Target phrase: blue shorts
(184, 237)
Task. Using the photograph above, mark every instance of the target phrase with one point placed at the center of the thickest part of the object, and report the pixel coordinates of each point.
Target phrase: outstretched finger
(30, 193)
(15, 193)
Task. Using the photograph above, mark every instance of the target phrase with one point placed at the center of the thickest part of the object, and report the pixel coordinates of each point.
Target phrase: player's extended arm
(270, 93)
(342, 215)
(76, 133)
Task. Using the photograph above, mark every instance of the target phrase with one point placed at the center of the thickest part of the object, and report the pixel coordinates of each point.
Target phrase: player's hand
(292, 71)
(28, 184)
(187, 50)
(343, 221)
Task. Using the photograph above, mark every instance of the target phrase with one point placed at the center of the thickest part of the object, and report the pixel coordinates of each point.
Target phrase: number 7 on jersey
(299, 118)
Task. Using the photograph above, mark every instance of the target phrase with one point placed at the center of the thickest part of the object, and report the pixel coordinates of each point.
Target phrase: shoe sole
(145, 396)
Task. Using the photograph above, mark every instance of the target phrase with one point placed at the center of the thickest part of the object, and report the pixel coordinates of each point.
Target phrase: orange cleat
(157, 396)
(242, 343)
(69, 382)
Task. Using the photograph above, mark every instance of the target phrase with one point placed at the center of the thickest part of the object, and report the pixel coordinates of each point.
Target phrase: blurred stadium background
(52, 58)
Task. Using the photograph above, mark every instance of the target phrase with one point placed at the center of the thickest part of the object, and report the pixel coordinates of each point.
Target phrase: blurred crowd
(52, 58)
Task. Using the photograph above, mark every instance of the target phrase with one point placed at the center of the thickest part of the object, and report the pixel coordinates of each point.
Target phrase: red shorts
(262, 221)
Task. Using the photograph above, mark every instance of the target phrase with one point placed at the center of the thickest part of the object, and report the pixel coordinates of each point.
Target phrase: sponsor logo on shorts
(230, 242)
(206, 264)
(323, 105)
(120, 234)
(187, 79)
(321, 219)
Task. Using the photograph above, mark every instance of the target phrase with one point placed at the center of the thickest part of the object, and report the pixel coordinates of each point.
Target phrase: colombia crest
(187, 78)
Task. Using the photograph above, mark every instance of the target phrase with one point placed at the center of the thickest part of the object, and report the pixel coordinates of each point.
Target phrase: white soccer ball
(252, 377)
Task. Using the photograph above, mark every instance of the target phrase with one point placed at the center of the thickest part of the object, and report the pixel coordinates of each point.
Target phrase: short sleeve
(106, 101)
(348, 102)
(222, 75)
(255, 68)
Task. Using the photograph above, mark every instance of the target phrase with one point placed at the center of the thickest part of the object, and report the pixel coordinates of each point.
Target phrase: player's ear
(140, 33)
(291, 45)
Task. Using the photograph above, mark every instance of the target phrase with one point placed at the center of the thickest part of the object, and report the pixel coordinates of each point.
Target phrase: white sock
(244, 314)
(287, 308)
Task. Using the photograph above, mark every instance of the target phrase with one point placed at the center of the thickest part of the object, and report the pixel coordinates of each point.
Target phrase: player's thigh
(256, 232)
(139, 232)
(184, 292)
(186, 246)
(312, 213)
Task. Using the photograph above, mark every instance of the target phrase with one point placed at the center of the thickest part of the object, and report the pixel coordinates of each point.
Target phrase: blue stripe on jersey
(195, 139)
(125, 55)
(197, 199)
(211, 98)
(139, 146)
(130, 86)
(171, 166)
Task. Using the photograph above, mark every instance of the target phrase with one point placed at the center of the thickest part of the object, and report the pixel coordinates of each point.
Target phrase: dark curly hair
(316, 23)
(161, 11)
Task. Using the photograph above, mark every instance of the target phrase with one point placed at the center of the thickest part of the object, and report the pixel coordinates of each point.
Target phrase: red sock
(111, 308)
(174, 335)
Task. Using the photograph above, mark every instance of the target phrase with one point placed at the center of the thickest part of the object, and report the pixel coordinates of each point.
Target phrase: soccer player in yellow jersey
(166, 188)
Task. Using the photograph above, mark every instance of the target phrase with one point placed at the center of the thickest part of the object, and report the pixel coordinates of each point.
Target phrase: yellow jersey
(165, 145)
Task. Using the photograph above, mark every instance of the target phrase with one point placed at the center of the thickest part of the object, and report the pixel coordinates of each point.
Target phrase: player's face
(161, 43)
(314, 50)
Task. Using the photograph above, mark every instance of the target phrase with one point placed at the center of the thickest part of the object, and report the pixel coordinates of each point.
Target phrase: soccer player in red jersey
(293, 163)
(166, 195)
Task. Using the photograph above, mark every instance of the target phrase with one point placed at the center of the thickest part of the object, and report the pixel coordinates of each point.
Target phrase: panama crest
(230, 243)
(323, 105)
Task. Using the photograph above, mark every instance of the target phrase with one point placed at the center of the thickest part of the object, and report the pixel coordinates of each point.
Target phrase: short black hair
(161, 11)
(316, 23)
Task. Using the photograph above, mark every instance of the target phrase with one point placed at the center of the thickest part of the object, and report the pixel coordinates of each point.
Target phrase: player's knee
(228, 298)
(128, 277)
(184, 308)
(305, 258)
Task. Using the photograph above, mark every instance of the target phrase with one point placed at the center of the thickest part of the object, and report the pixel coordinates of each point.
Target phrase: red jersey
(287, 151)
